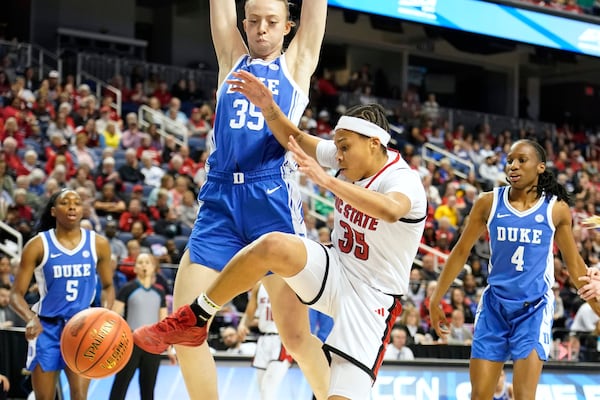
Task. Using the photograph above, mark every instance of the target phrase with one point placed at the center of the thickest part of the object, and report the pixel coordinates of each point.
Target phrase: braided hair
(372, 112)
(547, 184)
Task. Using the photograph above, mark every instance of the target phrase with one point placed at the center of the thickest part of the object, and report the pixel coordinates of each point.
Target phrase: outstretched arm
(563, 236)
(281, 127)
(456, 261)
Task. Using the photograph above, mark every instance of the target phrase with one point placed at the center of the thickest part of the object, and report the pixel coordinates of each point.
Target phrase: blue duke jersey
(66, 278)
(242, 142)
(247, 166)
(522, 244)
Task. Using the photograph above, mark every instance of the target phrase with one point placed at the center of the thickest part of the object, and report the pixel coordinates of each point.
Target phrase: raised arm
(456, 261)
(227, 39)
(302, 54)
(32, 255)
(566, 244)
(281, 127)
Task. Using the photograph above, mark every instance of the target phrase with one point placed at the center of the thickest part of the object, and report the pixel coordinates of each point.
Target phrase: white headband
(363, 127)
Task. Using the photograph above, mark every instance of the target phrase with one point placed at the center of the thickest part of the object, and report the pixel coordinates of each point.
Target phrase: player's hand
(172, 355)
(5, 383)
(33, 328)
(438, 320)
(591, 289)
(593, 273)
(308, 165)
(242, 330)
(251, 87)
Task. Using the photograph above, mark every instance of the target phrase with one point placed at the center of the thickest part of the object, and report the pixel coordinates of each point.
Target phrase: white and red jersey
(264, 312)
(379, 253)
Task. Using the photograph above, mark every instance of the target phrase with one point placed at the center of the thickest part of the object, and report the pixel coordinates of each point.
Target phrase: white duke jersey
(242, 141)
(522, 244)
(264, 312)
(66, 278)
(378, 252)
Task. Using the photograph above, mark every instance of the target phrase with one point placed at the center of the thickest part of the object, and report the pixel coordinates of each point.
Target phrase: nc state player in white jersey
(271, 359)
(380, 212)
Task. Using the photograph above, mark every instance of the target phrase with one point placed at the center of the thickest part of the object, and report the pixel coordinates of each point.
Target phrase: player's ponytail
(547, 184)
(47, 221)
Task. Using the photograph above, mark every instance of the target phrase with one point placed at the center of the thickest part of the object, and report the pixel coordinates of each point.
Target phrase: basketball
(96, 343)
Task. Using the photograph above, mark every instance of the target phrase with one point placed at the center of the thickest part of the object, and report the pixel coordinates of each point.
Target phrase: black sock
(201, 316)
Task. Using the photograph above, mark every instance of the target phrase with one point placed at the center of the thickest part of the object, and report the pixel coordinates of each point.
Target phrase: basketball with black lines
(96, 343)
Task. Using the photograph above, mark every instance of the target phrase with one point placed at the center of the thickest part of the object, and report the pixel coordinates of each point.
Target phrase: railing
(313, 198)
(10, 248)
(99, 87)
(426, 154)
(27, 54)
(471, 119)
(107, 44)
(107, 67)
(165, 126)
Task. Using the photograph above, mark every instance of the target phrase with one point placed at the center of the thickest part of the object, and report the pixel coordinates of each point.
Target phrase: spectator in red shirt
(24, 211)
(162, 94)
(155, 153)
(324, 129)
(199, 123)
(328, 93)
(11, 129)
(161, 206)
(134, 213)
(107, 174)
(127, 264)
(424, 310)
(13, 161)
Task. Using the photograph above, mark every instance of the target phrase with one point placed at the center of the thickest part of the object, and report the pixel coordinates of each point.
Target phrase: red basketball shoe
(178, 328)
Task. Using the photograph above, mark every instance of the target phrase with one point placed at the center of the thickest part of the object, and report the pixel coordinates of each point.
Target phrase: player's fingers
(593, 272)
(586, 292)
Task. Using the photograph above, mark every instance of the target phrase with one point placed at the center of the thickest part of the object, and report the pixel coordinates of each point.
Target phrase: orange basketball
(96, 343)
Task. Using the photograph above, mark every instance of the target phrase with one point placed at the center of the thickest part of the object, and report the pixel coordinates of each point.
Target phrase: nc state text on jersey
(355, 216)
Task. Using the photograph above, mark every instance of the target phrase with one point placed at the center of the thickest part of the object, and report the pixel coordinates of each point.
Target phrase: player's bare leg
(484, 376)
(197, 364)
(526, 375)
(78, 385)
(291, 317)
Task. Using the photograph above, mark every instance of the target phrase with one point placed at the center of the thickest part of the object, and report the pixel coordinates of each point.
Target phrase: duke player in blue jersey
(67, 261)
(249, 189)
(514, 316)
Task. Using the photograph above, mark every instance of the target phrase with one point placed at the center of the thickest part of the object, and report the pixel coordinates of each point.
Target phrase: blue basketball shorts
(512, 330)
(237, 209)
(45, 349)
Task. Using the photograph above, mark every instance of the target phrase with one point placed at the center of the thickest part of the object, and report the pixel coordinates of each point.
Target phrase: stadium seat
(181, 242)
(156, 239)
(125, 236)
(185, 230)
